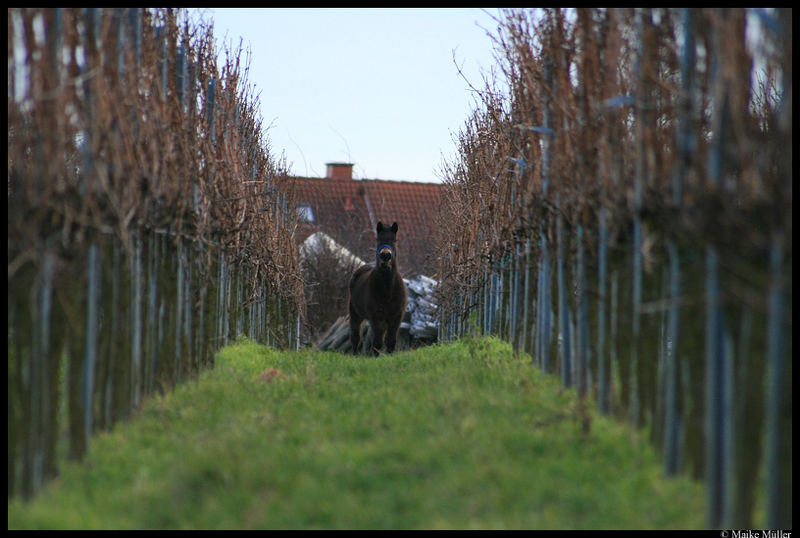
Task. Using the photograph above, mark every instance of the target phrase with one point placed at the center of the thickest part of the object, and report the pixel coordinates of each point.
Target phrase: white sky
(375, 87)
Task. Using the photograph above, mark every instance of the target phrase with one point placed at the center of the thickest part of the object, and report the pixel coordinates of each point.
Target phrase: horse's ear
(394, 227)
(380, 226)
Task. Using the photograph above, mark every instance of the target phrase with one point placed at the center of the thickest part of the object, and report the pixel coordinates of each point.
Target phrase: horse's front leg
(377, 342)
(377, 339)
(391, 335)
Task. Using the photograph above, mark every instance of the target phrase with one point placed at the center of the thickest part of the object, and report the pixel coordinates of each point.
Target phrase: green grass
(463, 435)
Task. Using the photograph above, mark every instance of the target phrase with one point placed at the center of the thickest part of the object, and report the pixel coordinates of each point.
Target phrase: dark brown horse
(378, 293)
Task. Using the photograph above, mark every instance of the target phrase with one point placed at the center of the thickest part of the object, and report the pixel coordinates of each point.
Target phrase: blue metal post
(563, 307)
(90, 350)
(777, 517)
(715, 373)
(602, 270)
(671, 365)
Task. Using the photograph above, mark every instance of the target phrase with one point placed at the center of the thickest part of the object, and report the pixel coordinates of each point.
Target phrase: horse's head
(386, 253)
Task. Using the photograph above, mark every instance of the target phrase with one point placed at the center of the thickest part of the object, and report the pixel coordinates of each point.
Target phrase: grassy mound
(463, 435)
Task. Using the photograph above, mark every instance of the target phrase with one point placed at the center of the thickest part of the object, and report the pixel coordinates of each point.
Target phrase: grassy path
(457, 436)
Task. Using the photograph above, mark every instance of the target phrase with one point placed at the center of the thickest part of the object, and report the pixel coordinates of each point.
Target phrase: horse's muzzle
(385, 256)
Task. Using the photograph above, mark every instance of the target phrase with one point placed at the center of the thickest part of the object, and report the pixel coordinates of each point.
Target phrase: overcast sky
(375, 87)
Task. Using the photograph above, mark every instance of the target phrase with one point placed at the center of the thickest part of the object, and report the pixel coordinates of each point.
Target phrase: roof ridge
(411, 181)
(370, 180)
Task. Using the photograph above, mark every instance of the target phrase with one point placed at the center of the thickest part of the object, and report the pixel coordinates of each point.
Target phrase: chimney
(339, 171)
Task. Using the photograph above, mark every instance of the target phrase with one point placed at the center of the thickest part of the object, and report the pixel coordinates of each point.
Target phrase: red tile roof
(349, 211)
